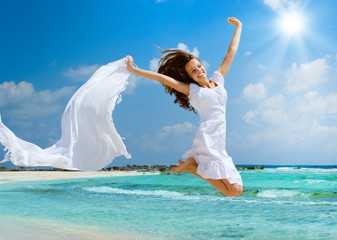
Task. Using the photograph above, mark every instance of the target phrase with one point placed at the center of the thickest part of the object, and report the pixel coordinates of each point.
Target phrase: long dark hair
(173, 64)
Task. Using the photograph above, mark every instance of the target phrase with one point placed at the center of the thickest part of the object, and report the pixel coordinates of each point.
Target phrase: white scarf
(89, 138)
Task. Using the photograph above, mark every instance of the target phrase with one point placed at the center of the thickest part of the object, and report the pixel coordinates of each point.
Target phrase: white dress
(89, 138)
(209, 143)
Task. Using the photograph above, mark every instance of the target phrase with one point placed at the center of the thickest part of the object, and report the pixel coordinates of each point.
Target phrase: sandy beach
(50, 175)
(16, 228)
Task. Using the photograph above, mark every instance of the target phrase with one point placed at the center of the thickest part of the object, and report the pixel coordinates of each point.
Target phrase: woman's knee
(235, 191)
(232, 189)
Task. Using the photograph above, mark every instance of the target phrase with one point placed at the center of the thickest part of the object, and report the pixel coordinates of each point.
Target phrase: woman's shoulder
(194, 88)
(218, 78)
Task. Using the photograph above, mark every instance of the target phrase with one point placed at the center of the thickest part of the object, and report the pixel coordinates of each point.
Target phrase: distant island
(140, 168)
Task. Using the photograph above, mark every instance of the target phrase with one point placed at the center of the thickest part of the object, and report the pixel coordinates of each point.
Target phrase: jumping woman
(183, 75)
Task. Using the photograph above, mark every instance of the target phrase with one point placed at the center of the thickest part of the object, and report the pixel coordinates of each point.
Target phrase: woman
(184, 76)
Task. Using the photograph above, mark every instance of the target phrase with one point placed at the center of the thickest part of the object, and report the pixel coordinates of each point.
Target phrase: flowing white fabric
(89, 140)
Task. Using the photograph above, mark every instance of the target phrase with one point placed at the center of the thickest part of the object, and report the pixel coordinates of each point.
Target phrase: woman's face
(196, 70)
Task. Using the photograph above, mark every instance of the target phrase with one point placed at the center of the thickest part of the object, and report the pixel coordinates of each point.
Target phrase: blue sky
(282, 86)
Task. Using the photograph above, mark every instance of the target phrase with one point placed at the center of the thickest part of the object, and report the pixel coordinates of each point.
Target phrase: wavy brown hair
(173, 64)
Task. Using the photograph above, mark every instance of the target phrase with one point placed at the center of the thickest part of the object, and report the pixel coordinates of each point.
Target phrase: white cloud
(262, 67)
(22, 100)
(274, 102)
(10, 93)
(248, 53)
(270, 111)
(25, 110)
(185, 127)
(293, 135)
(281, 4)
(249, 116)
(254, 92)
(313, 105)
(154, 65)
(206, 64)
(291, 121)
(81, 73)
(184, 47)
(268, 79)
(275, 4)
(178, 136)
(307, 107)
(299, 78)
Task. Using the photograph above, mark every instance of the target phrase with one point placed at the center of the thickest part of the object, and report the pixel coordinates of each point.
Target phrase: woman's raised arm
(233, 47)
(166, 80)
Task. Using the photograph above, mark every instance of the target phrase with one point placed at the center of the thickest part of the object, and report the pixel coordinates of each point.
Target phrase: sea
(277, 203)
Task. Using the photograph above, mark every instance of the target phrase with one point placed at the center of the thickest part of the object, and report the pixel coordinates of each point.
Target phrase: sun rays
(289, 37)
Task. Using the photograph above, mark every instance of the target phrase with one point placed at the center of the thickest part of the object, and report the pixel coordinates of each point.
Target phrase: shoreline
(32, 174)
(14, 176)
(17, 228)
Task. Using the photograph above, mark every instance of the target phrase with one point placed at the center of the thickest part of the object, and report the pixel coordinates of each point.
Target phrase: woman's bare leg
(222, 185)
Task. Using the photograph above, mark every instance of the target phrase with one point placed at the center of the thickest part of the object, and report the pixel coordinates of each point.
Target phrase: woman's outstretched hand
(234, 21)
(130, 66)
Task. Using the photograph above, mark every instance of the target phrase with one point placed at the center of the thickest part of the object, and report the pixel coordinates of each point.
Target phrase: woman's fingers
(130, 63)
(233, 21)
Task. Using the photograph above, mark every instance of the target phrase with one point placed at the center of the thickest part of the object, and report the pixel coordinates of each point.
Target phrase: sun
(292, 23)
(290, 33)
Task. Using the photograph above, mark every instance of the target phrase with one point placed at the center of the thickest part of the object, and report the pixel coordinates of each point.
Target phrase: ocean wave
(153, 193)
(268, 196)
(301, 169)
(286, 168)
(294, 194)
(317, 182)
(280, 193)
(284, 202)
(319, 170)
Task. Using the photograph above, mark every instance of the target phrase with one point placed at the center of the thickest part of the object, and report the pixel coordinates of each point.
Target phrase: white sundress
(209, 143)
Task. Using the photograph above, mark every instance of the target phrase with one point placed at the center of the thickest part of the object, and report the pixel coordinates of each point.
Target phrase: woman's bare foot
(189, 166)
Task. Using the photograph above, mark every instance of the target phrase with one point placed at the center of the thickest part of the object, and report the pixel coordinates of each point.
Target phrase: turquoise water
(278, 203)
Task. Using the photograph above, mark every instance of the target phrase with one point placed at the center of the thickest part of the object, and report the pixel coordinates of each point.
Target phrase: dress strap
(218, 78)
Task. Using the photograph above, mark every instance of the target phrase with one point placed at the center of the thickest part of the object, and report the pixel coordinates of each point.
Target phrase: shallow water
(278, 203)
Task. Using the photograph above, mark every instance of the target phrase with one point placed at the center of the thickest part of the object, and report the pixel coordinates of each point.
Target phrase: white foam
(264, 197)
(272, 201)
(315, 181)
(157, 193)
(276, 193)
(286, 168)
(301, 169)
(319, 169)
